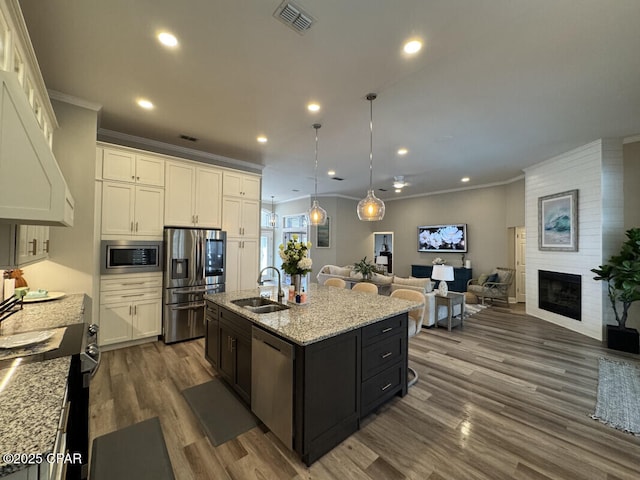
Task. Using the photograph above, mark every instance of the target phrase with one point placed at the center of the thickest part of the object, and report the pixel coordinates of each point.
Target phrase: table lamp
(444, 273)
(383, 261)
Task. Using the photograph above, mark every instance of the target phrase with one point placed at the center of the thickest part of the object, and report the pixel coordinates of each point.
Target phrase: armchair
(494, 286)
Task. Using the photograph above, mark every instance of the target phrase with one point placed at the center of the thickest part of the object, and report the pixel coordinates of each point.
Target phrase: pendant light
(317, 215)
(273, 218)
(371, 208)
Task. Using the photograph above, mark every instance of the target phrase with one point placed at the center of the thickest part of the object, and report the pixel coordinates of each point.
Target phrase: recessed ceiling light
(144, 103)
(168, 39)
(398, 190)
(402, 151)
(331, 172)
(262, 139)
(412, 46)
(465, 179)
(313, 107)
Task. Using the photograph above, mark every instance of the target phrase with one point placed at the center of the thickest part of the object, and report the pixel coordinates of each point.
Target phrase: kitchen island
(348, 357)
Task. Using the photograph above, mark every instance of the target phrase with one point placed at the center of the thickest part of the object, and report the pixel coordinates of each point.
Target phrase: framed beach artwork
(558, 222)
(323, 235)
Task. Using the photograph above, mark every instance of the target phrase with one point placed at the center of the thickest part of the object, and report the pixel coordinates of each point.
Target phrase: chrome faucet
(280, 292)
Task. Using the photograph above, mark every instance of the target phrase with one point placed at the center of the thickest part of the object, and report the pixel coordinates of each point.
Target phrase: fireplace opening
(560, 293)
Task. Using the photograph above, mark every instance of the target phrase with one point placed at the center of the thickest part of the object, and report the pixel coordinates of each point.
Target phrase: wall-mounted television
(443, 238)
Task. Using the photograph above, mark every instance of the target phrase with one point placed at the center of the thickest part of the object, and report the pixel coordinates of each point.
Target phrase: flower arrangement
(295, 259)
(365, 268)
(439, 261)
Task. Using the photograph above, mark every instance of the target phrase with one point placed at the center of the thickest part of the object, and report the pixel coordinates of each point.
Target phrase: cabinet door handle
(135, 310)
(137, 178)
(46, 246)
(130, 310)
(386, 355)
(197, 218)
(133, 295)
(136, 226)
(133, 177)
(132, 226)
(387, 329)
(386, 387)
(34, 248)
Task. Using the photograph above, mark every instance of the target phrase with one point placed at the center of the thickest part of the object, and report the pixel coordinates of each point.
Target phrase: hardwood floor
(506, 397)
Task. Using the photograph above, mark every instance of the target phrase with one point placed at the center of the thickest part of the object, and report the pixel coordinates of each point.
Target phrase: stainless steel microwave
(130, 256)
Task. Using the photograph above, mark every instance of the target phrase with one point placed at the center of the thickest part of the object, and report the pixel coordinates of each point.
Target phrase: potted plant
(622, 274)
(365, 268)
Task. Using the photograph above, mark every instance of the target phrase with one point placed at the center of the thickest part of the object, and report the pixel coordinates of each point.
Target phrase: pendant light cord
(315, 172)
(371, 97)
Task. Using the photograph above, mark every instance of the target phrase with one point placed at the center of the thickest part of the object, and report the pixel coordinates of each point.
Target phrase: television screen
(443, 238)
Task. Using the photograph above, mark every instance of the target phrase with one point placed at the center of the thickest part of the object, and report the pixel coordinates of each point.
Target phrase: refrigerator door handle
(189, 307)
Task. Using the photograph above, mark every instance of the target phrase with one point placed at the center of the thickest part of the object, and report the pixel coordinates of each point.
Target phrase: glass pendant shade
(370, 208)
(273, 217)
(317, 215)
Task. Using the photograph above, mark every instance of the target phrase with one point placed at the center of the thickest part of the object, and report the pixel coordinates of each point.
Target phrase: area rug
(136, 452)
(222, 414)
(618, 403)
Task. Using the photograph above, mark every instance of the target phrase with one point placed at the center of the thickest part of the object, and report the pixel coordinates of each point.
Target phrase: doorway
(383, 250)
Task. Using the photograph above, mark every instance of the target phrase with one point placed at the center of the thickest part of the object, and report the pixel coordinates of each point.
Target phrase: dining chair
(365, 287)
(335, 282)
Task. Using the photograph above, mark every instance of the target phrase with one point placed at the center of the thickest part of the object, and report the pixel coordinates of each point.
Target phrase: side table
(450, 300)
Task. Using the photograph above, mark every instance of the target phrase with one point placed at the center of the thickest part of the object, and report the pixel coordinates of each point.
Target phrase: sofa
(387, 284)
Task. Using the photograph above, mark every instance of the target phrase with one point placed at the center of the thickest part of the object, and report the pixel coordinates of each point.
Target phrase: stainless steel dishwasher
(272, 383)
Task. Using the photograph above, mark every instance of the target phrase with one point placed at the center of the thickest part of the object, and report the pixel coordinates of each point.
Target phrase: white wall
(71, 264)
(596, 171)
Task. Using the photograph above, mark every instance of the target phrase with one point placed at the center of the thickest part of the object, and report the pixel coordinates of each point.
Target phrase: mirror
(383, 250)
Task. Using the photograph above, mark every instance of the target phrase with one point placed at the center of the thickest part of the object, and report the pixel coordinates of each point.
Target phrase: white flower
(305, 263)
(451, 234)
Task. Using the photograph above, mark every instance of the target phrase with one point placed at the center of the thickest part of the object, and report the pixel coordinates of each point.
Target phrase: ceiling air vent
(189, 138)
(294, 17)
(339, 179)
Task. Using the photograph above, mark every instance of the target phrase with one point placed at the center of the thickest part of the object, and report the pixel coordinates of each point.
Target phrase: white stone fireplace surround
(596, 171)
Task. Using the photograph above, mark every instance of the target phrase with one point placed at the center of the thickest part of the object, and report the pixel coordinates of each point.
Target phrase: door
(227, 354)
(521, 243)
(149, 170)
(149, 211)
(117, 208)
(181, 261)
(232, 216)
(178, 205)
(208, 189)
(250, 218)
(147, 318)
(118, 165)
(249, 260)
(115, 323)
(212, 340)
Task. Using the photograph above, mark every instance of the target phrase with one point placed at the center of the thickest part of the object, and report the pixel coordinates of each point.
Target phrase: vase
(296, 281)
(300, 284)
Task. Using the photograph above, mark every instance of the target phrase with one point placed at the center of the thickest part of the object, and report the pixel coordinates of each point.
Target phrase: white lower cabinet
(130, 307)
(242, 264)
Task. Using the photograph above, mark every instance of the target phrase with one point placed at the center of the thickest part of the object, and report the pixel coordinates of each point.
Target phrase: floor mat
(137, 452)
(222, 414)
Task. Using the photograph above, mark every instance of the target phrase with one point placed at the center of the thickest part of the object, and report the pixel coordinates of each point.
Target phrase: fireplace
(560, 293)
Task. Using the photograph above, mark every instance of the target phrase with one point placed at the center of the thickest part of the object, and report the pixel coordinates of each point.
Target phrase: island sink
(259, 305)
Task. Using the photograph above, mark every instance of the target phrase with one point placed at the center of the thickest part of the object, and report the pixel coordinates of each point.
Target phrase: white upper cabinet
(131, 210)
(241, 185)
(126, 166)
(32, 188)
(193, 196)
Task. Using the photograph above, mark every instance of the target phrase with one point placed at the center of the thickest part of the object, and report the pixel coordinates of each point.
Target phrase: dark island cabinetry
(337, 381)
(461, 276)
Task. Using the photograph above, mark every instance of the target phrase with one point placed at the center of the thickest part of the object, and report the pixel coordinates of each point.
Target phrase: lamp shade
(382, 260)
(371, 208)
(442, 272)
(317, 215)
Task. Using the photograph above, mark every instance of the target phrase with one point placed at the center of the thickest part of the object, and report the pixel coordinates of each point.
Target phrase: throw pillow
(382, 279)
(343, 272)
(482, 278)
(395, 286)
(492, 278)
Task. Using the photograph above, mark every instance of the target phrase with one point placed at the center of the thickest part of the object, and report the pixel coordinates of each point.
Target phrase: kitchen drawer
(384, 329)
(131, 295)
(380, 388)
(240, 325)
(211, 310)
(130, 282)
(381, 355)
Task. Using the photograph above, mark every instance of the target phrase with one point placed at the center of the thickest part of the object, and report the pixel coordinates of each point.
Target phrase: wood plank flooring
(507, 396)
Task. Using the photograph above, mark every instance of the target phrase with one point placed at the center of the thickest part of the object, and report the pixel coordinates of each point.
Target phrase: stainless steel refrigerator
(194, 265)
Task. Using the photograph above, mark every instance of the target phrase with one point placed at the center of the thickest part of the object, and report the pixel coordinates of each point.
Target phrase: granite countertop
(32, 401)
(42, 315)
(329, 312)
(32, 393)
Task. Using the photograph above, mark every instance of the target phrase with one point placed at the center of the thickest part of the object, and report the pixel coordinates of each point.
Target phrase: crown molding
(78, 102)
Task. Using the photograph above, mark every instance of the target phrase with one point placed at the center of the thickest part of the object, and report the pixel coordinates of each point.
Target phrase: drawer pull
(133, 295)
(386, 355)
(386, 386)
(387, 329)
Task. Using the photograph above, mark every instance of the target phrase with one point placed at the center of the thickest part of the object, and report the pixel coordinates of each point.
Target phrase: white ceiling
(500, 84)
